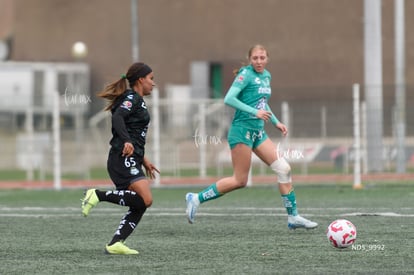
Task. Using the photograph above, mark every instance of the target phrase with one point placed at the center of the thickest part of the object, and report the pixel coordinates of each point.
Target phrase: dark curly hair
(112, 91)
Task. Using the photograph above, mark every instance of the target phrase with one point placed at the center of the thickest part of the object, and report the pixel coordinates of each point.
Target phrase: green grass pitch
(244, 232)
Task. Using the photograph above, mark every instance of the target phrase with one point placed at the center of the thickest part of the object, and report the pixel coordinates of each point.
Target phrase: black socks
(127, 225)
(122, 197)
(132, 217)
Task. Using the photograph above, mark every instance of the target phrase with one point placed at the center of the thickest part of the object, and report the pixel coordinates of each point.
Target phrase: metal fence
(189, 136)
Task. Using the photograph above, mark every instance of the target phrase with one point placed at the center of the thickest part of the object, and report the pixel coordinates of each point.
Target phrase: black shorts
(124, 170)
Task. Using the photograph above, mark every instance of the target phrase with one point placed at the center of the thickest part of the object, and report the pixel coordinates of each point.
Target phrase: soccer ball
(341, 233)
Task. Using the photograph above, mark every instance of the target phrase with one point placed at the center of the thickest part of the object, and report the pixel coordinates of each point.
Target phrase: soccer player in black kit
(130, 119)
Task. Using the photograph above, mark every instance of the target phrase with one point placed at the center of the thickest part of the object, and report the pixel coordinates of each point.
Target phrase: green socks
(210, 193)
(289, 201)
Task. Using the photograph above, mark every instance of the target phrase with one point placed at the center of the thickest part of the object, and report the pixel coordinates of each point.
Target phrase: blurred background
(55, 55)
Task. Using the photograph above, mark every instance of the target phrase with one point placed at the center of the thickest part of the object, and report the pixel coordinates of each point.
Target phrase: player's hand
(150, 169)
(282, 127)
(263, 114)
(128, 149)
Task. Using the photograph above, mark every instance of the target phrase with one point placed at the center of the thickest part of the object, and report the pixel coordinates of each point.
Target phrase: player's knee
(240, 182)
(148, 201)
(282, 169)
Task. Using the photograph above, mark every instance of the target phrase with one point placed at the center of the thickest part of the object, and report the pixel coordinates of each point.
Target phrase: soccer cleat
(119, 248)
(192, 205)
(300, 222)
(90, 200)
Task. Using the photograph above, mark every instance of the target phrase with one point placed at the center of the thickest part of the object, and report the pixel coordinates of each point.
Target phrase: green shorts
(251, 137)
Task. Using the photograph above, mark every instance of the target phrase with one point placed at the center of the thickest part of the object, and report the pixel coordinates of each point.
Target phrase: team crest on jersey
(134, 171)
(257, 80)
(126, 105)
(247, 135)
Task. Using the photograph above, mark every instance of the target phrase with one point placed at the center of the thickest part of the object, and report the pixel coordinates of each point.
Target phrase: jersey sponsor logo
(130, 96)
(257, 80)
(264, 90)
(126, 105)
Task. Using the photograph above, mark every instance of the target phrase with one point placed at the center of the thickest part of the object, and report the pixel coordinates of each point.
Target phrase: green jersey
(249, 93)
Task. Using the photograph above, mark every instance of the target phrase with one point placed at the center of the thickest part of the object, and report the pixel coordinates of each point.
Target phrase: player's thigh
(266, 151)
(143, 188)
(241, 155)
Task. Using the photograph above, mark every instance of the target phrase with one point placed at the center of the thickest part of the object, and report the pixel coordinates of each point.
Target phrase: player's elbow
(228, 100)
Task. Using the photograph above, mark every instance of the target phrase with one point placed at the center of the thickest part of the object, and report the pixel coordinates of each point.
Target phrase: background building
(315, 46)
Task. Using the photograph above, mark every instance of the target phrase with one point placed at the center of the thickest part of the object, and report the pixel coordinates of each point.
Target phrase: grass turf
(244, 232)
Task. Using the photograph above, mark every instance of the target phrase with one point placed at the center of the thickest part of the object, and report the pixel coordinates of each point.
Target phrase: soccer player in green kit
(249, 95)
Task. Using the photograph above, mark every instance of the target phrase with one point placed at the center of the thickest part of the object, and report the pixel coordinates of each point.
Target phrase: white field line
(56, 212)
(203, 208)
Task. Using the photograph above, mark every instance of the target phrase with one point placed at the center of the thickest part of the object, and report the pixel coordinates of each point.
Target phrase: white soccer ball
(341, 233)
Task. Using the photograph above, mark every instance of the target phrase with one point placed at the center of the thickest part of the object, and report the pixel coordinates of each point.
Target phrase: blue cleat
(295, 222)
(192, 205)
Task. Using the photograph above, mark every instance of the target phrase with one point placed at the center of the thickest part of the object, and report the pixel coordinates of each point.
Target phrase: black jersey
(130, 119)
